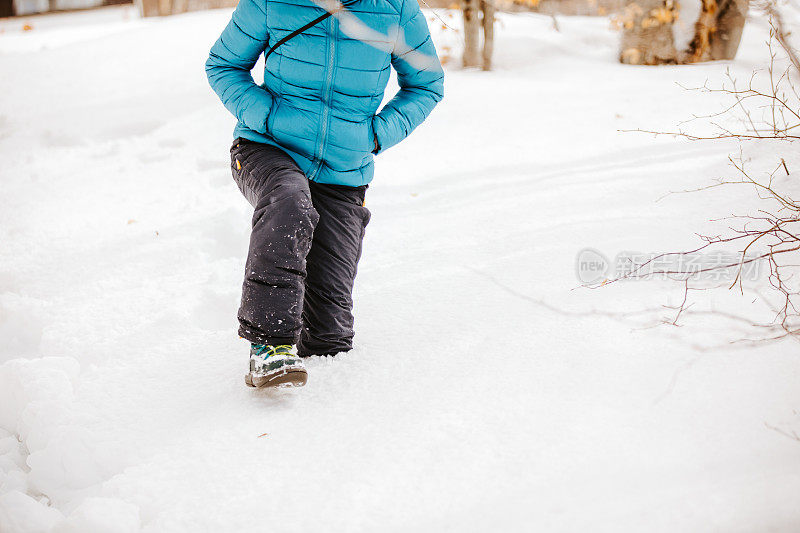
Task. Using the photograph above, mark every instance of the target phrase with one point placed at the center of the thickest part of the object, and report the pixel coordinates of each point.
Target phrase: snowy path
(484, 393)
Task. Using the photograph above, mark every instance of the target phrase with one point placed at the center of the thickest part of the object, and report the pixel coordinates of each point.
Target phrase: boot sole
(292, 378)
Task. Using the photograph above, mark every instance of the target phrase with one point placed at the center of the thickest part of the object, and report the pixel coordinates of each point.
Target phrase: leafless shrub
(767, 109)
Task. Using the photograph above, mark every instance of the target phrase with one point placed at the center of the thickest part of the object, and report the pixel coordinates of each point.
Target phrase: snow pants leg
(331, 269)
(304, 247)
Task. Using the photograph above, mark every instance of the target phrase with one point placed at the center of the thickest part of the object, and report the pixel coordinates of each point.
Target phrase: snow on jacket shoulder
(322, 88)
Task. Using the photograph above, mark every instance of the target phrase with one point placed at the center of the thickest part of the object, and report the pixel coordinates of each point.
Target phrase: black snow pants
(304, 248)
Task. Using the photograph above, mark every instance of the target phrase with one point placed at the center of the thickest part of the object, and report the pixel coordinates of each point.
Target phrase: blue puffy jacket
(322, 88)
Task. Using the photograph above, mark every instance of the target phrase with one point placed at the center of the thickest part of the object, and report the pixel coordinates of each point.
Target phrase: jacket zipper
(327, 96)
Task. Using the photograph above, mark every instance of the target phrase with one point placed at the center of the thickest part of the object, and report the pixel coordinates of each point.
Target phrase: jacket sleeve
(419, 74)
(232, 58)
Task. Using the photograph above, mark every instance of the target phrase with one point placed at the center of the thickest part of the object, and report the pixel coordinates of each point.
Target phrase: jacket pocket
(375, 136)
(271, 115)
(371, 148)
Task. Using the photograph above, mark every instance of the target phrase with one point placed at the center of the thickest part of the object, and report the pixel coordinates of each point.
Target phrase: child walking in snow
(303, 157)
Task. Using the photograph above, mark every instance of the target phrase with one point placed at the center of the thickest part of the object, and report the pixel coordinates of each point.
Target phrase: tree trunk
(6, 8)
(488, 33)
(157, 8)
(647, 37)
(472, 35)
(647, 33)
(148, 8)
(730, 24)
(718, 31)
(180, 6)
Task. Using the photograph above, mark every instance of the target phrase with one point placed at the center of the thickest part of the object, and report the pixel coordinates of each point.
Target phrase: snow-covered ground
(486, 392)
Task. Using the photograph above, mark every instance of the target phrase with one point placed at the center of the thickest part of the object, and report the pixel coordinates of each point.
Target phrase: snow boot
(275, 366)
